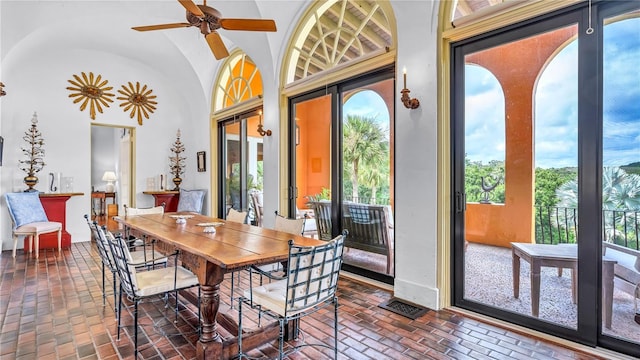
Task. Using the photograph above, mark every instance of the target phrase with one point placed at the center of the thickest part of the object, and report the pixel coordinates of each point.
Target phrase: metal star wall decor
(91, 91)
(140, 101)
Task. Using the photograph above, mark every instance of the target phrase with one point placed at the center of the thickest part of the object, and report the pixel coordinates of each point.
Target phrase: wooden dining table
(210, 256)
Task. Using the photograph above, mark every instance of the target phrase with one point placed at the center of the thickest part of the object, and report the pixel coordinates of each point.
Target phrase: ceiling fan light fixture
(208, 20)
(204, 28)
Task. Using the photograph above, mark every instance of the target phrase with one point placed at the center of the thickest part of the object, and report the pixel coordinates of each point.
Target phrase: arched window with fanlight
(237, 106)
(339, 77)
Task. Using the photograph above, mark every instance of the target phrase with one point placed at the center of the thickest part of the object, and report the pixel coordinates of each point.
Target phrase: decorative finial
(34, 119)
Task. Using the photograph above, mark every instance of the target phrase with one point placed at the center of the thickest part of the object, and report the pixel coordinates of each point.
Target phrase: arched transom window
(335, 32)
(239, 81)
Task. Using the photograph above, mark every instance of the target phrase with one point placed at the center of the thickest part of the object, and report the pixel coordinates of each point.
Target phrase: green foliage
(492, 172)
(548, 181)
(365, 158)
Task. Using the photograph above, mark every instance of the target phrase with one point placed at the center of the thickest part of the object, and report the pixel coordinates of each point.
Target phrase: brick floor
(52, 309)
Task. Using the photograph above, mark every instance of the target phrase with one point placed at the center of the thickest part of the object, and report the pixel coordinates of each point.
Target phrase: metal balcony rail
(557, 225)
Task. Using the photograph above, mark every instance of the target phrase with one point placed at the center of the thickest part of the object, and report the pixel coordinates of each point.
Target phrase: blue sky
(555, 102)
(368, 103)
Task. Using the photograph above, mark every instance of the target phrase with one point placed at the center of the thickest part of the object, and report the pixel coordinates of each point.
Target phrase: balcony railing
(557, 225)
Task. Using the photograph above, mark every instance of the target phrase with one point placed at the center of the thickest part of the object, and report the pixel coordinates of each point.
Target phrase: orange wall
(500, 224)
(313, 155)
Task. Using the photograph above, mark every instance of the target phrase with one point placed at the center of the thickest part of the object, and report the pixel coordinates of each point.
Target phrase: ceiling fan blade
(192, 8)
(217, 46)
(161, 26)
(248, 24)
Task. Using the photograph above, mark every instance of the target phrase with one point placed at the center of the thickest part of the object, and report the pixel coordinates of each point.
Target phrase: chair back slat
(312, 274)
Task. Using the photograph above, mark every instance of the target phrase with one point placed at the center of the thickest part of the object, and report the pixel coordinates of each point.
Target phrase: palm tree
(365, 143)
(620, 197)
(374, 177)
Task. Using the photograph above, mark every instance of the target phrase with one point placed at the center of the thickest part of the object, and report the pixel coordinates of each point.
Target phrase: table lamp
(109, 177)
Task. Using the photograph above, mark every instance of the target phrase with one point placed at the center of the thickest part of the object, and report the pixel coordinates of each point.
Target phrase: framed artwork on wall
(202, 167)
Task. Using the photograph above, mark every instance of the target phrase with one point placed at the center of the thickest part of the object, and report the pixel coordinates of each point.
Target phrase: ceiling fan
(209, 20)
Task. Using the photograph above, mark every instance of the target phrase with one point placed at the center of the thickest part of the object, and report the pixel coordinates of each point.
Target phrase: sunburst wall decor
(140, 101)
(91, 91)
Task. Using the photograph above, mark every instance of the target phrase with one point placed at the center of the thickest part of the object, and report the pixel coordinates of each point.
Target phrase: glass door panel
(367, 188)
(241, 163)
(621, 177)
(520, 146)
(232, 165)
(313, 160)
(254, 168)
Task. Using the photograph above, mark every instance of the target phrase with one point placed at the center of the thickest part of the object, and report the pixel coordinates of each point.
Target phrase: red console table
(169, 198)
(55, 206)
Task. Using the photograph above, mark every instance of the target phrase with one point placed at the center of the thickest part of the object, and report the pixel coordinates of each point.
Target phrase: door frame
(590, 122)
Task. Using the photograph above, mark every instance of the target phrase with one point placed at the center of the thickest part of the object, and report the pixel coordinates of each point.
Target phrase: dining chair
(136, 241)
(139, 285)
(275, 271)
(29, 219)
(237, 216)
(106, 259)
(310, 285)
(240, 217)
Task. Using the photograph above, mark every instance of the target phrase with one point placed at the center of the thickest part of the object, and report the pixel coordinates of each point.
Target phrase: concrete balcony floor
(489, 280)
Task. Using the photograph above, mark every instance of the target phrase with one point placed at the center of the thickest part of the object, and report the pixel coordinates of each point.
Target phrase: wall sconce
(2, 92)
(261, 131)
(408, 102)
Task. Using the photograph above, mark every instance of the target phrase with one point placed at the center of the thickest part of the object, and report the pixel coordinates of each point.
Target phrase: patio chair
(322, 211)
(370, 229)
(310, 285)
(139, 285)
(626, 271)
(256, 203)
(29, 219)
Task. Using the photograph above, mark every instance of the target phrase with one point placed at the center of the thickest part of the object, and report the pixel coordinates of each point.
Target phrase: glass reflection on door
(520, 172)
(621, 177)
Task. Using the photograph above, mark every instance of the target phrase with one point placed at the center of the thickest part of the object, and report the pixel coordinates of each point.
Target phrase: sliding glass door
(342, 168)
(545, 155)
(240, 162)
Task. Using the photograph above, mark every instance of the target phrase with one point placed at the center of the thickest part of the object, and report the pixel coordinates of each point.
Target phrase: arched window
(337, 32)
(239, 80)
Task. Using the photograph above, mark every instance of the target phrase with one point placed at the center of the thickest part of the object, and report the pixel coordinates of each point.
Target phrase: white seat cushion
(159, 281)
(271, 296)
(38, 227)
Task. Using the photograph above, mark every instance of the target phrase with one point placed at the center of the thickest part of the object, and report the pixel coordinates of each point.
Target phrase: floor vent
(404, 308)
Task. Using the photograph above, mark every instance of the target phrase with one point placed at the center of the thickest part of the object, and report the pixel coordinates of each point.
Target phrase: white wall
(66, 38)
